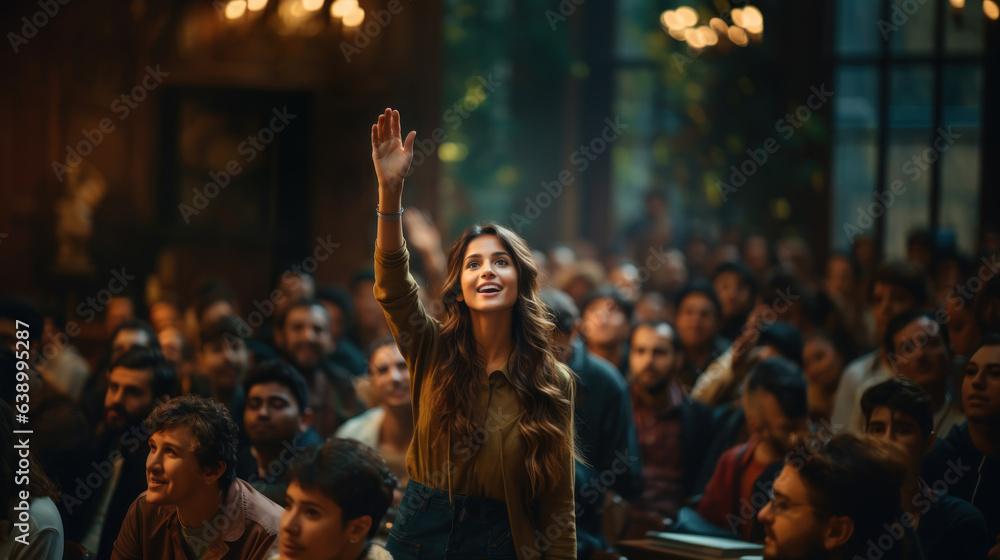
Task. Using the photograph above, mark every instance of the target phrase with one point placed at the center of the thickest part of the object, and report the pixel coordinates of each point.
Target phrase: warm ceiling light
(312, 5)
(707, 35)
(355, 18)
(737, 16)
(694, 38)
(991, 9)
(719, 25)
(753, 20)
(670, 20)
(738, 36)
(677, 34)
(256, 5)
(341, 8)
(236, 8)
(687, 16)
(958, 4)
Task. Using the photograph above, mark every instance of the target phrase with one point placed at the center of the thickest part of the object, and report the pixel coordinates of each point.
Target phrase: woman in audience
(336, 497)
(492, 460)
(823, 361)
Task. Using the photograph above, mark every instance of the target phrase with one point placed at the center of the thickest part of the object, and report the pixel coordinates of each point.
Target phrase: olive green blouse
(492, 463)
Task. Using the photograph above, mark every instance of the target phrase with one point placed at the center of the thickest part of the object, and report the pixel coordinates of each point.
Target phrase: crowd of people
(728, 387)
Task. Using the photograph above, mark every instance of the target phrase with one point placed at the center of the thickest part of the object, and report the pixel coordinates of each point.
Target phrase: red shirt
(728, 500)
(660, 443)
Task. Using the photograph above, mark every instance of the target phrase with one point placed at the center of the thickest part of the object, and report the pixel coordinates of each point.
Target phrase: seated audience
(222, 360)
(917, 348)
(605, 326)
(837, 504)
(737, 292)
(823, 360)
(276, 421)
(137, 381)
(895, 288)
(388, 427)
(30, 527)
(948, 527)
(195, 506)
(970, 452)
(776, 408)
(607, 438)
(674, 431)
(340, 308)
(698, 319)
(302, 334)
(336, 497)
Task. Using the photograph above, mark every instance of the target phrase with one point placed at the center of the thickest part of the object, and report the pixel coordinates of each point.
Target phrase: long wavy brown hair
(548, 407)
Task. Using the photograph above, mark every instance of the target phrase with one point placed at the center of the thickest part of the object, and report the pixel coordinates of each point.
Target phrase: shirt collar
(505, 370)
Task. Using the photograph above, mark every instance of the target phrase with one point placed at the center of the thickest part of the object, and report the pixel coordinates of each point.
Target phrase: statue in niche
(85, 187)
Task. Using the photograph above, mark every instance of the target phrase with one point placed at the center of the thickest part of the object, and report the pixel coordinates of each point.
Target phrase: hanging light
(991, 9)
(235, 9)
(355, 18)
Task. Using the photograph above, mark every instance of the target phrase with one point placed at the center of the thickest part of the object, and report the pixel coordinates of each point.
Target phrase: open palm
(390, 154)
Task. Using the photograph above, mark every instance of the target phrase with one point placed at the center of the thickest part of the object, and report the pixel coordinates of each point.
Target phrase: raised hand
(421, 232)
(390, 154)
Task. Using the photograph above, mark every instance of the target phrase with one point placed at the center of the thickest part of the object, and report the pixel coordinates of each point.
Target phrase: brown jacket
(247, 523)
(543, 526)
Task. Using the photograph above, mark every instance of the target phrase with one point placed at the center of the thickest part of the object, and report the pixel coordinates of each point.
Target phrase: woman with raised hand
(492, 459)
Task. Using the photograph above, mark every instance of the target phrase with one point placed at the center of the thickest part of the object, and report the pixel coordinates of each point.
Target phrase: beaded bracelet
(395, 214)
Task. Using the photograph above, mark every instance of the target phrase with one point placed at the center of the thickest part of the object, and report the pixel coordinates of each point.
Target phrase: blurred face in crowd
(696, 320)
(793, 528)
(889, 300)
(173, 474)
(770, 426)
(272, 415)
(963, 330)
(981, 386)
(313, 527)
(294, 287)
(604, 323)
(893, 425)
(390, 377)
(733, 293)
(652, 359)
(922, 354)
(822, 363)
(840, 277)
(755, 254)
(163, 315)
(224, 362)
(305, 337)
(126, 339)
(119, 310)
(215, 311)
(129, 397)
(338, 319)
(651, 307)
(625, 279)
(172, 344)
(489, 277)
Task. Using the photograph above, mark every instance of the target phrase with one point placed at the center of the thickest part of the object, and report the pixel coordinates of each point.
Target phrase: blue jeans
(428, 526)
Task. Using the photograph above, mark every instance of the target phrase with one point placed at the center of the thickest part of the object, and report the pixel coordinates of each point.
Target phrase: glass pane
(855, 154)
(855, 33)
(911, 96)
(963, 92)
(960, 171)
(631, 163)
(908, 175)
(960, 181)
(910, 27)
(855, 151)
(964, 29)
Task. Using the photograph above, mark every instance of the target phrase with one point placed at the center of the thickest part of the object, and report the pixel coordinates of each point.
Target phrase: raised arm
(392, 157)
